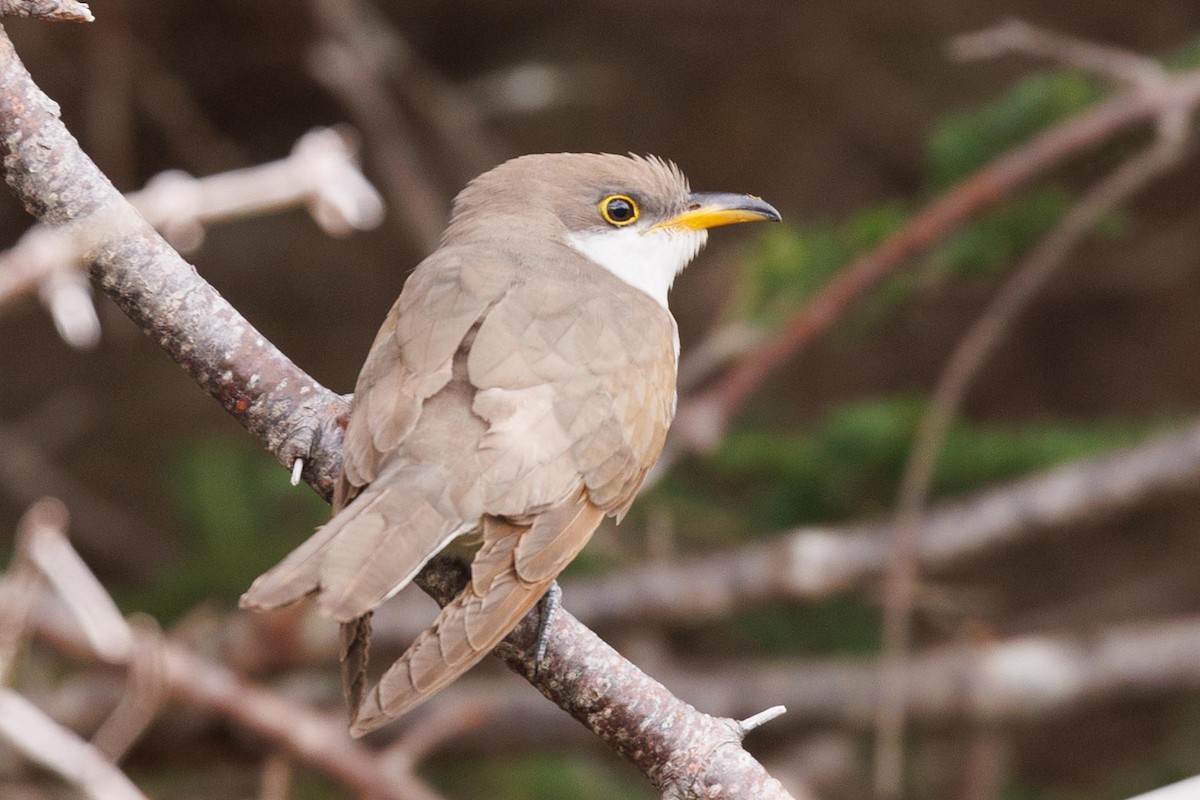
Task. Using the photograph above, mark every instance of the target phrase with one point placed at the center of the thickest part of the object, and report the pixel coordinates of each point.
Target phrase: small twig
(810, 563)
(718, 348)
(761, 718)
(68, 298)
(44, 741)
(1018, 36)
(413, 194)
(146, 691)
(297, 471)
(58, 10)
(44, 544)
(1025, 679)
(321, 173)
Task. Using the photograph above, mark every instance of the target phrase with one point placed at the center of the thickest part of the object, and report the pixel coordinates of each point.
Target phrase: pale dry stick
(1018, 36)
(723, 345)
(811, 563)
(318, 740)
(900, 579)
(44, 741)
(321, 173)
(60, 10)
(294, 416)
(704, 417)
(45, 546)
(21, 585)
(413, 195)
(146, 692)
(99, 633)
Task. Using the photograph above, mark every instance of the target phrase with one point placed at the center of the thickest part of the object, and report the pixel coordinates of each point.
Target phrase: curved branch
(294, 416)
(703, 417)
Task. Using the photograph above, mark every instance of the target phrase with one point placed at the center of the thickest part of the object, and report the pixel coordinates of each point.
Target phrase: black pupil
(620, 210)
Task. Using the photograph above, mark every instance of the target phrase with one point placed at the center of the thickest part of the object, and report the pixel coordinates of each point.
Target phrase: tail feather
(368, 550)
(355, 646)
(465, 631)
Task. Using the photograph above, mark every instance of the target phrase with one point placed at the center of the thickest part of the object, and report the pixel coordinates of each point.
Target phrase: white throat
(646, 261)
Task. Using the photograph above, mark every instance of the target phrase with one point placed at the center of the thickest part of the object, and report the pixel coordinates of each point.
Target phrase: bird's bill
(712, 209)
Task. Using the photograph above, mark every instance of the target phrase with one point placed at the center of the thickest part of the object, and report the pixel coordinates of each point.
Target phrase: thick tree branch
(294, 416)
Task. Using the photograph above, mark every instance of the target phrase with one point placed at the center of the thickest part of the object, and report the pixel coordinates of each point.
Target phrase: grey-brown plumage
(517, 392)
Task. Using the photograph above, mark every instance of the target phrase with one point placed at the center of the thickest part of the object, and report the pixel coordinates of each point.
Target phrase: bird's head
(634, 216)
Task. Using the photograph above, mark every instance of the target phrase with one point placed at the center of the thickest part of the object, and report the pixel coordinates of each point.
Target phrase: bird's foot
(550, 603)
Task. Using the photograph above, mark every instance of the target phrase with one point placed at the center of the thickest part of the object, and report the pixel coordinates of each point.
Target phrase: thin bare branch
(19, 589)
(1018, 36)
(900, 580)
(44, 741)
(321, 173)
(44, 544)
(318, 740)
(413, 194)
(703, 417)
(146, 691)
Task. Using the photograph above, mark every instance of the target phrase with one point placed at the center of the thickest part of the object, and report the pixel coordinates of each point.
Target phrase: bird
(517, 393)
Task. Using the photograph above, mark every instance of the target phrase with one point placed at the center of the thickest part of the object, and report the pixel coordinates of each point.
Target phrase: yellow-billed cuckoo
(517, 393)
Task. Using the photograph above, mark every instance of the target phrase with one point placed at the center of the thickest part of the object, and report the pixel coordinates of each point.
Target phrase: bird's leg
(549, 604)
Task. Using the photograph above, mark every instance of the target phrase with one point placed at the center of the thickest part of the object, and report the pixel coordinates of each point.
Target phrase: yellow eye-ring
(619, 210)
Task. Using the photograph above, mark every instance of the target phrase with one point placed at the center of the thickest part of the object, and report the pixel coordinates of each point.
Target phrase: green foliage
(965, 141)
(793, 262)
(997, 239)
(540, 776)
(847, 465)
(239, 515)
(1184, 58)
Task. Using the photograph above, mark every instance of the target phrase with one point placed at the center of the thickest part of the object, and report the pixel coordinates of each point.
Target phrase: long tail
(369, 549)
(465, 631)
(509, 574)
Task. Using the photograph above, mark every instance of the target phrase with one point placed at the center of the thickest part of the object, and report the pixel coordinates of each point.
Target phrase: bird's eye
(619, 209)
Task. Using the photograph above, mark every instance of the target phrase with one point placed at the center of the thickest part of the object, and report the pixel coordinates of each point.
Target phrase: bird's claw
(549, 604)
